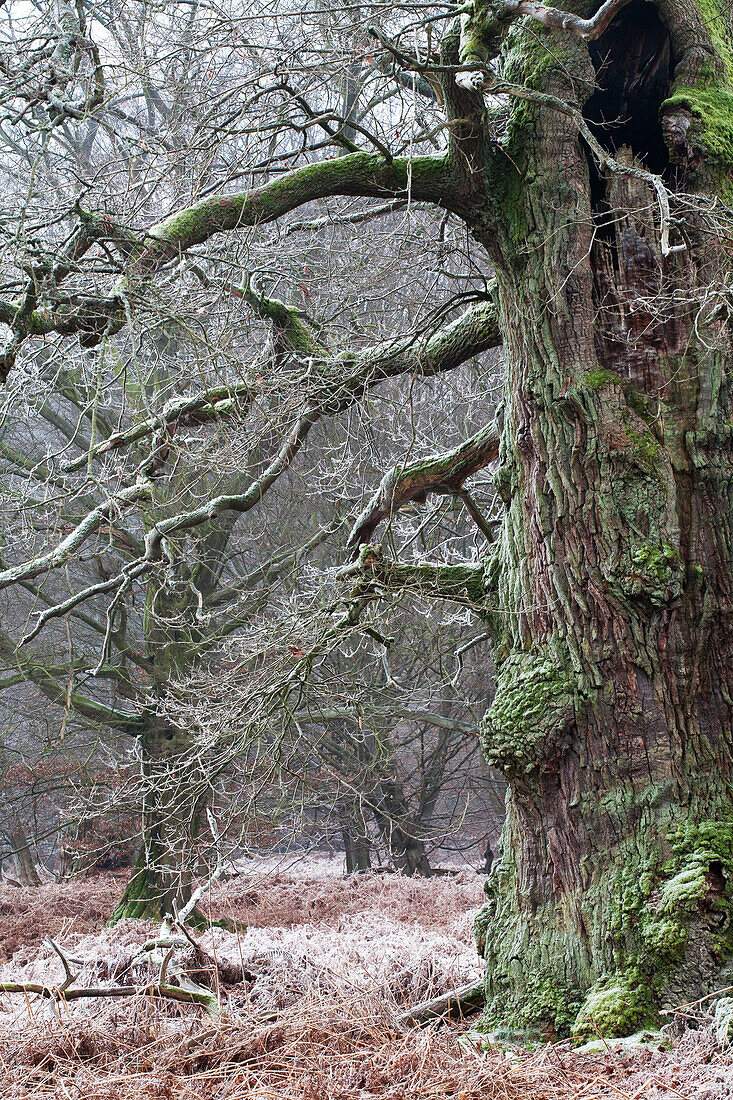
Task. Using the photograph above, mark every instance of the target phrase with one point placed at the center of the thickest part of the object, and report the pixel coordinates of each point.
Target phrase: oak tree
(589, 153)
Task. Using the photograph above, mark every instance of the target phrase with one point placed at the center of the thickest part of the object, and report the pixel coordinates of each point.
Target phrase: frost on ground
(309, 995)
(262, 969)
(397, 939)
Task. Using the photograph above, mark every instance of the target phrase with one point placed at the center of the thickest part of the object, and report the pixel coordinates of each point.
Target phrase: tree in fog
(193, 408)
(588, 155)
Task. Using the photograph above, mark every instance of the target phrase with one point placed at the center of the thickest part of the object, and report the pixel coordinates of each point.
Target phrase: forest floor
(308, 997)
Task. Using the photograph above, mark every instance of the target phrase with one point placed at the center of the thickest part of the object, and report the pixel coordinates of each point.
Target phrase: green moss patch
(595, 380)
(654, 908)
(651, 571)
(659, 916)
(535, 698)
(618, 1005)
(543, 1010)
(712, 111)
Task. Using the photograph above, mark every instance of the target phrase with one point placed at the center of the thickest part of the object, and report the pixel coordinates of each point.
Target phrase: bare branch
(57, 692)
(334, 387)
(198, 409)
(552, 17)
(458, 1002)
(141, 490)
(444, 473)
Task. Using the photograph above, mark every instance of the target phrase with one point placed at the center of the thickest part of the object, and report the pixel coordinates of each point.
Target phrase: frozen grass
(309, 997)
(27, 915)
(272, 893)
(347, 1048)
(265, 969)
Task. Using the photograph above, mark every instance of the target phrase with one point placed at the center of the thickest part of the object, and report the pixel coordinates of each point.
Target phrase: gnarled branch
(442, 473)
(369, 175)
(461, 583)
(564, 20)
(335, 385)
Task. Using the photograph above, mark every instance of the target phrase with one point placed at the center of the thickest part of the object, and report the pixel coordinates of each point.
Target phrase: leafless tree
(143, 420)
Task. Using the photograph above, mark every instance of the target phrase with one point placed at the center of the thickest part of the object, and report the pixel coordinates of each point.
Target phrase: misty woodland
(366, 549)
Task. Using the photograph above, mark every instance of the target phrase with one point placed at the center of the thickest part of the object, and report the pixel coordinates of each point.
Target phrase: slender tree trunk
(610, 588)
(174, 792)
(357, 845)
(25, 866)
(160, 885)
(161, 880)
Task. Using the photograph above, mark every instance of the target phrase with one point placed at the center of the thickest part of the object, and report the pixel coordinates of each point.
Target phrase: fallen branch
(161, 990)
(458, 1002)
(153, 989)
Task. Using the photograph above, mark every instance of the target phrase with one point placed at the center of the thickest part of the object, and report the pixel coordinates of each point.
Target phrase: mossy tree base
(154, 894)
(653, 930)
(151, 910)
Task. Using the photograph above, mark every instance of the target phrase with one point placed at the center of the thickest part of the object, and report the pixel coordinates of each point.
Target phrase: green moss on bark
(482, 31)
(595, 380)
(616, 1006)
(712, 111)
(662, 913)
(646, 448)
(542, 60)
(535, 977)
(709, 97)
(656, 915)
(651, 571)
(424, 177)
(142, 897)
(536, 696)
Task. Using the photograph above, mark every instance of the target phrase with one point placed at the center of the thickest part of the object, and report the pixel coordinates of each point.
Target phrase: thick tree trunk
(401, 833)
(610, 589)
(357, 846)
(159, 886)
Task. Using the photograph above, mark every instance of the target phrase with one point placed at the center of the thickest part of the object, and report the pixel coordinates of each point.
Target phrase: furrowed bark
(609, 591)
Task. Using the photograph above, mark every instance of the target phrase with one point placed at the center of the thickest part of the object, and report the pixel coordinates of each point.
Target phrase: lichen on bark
(609, 587)
(535, 700)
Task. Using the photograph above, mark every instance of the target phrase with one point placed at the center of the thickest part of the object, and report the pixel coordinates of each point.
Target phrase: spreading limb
(334, 386)
(461, 583)
(443, 473)
(564, 20)
(367, 175)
